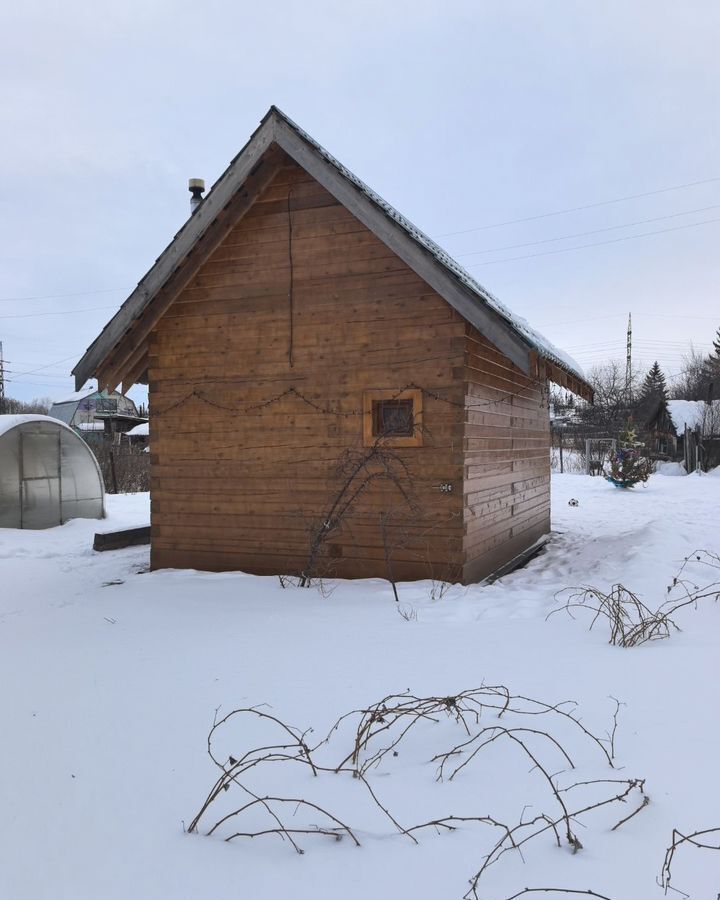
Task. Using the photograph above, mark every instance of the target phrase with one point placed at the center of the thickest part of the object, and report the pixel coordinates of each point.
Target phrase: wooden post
(561, 450)
(113, 474)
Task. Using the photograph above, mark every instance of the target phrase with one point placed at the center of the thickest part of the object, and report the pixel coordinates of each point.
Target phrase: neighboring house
(658, 430)
(97, 415)
(695, 415)
(331, 393)
(138, 436)
(684, 430)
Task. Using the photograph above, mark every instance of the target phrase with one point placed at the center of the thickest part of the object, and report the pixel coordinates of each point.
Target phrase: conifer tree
(654, 387)
(714, 358)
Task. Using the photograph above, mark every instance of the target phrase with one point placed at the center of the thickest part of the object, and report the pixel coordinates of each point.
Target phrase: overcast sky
(464, 115)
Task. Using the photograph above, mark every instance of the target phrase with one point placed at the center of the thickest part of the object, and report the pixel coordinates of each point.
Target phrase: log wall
(235, 487)
(507, 459)
(257, 374)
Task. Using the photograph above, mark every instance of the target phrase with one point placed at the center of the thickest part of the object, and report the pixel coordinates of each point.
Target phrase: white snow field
(111, 676)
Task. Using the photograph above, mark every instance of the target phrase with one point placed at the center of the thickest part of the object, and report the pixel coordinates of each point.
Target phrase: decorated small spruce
(628, 466)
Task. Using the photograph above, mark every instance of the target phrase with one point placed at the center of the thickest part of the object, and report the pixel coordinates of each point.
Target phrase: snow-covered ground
(111, 676)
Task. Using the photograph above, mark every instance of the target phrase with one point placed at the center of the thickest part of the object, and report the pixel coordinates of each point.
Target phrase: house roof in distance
(512, 334)
(695, 414)
(77, 396)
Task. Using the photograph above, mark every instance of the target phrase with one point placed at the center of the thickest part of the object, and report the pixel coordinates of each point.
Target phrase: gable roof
(510, 333)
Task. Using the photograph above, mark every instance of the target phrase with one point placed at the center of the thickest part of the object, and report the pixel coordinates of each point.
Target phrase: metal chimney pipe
(196, 186)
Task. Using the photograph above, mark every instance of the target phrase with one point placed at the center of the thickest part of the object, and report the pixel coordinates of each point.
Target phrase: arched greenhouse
(47, 474)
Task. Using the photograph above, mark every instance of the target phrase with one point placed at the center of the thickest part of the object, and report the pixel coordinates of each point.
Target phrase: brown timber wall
(507, 459)
(234, 488)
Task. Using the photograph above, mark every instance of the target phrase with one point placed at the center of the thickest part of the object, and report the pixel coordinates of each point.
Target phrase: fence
(125, 469)
(700, 452)
(580, 448)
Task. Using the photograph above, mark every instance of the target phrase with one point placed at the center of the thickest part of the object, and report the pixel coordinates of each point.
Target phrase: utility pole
(628, 363)
(2, 381)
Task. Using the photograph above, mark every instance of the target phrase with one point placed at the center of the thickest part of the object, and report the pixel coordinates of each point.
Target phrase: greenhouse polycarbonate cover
(47, 474)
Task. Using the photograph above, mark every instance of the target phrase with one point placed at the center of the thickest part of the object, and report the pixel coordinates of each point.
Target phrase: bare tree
(612, 397)
(696, 377)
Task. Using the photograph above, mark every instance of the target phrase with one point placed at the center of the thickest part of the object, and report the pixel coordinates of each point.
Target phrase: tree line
(38, 406)
(616, 400)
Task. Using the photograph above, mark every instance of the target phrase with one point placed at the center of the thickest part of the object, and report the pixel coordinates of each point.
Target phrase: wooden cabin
(658, 429)
(330, 393)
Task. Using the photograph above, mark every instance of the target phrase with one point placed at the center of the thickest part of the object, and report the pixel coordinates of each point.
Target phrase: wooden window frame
(414, 440)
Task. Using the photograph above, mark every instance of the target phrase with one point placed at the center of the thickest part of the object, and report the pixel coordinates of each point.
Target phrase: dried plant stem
(377, 731)
(707, 839)
(631, 622)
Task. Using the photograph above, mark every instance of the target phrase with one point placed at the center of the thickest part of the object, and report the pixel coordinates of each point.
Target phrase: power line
(665, 351)
(629, 237)
(567, 237)
(17, 375)
(562, 212)
(650, 345)
(48, 366)
(61, 312)
(661, 351)
(651, 342)
(33, 384)
(60, 296)
(622, 316)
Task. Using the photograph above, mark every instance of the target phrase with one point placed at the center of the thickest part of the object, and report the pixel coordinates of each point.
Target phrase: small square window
(392, 418)
(395, 417)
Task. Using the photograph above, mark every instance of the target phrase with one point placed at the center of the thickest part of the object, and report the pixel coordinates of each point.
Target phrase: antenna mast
(2, 381)
(628, 363)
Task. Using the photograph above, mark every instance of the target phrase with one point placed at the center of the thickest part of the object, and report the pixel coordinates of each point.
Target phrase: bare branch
(707, 839)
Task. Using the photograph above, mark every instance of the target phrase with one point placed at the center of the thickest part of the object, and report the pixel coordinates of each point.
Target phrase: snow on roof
(77, 396)
(538, 341)
(693, 414)
(139, 430)
(7, 423)
(91, 426)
